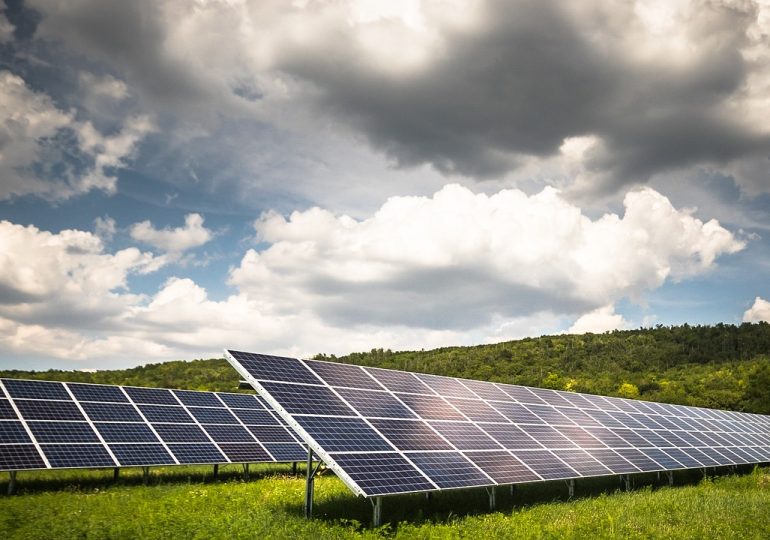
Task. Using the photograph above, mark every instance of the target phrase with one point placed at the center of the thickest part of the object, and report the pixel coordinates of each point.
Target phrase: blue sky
(299, 177)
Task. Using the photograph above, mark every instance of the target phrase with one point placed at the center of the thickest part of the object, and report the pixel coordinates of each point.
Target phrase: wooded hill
(721, 366)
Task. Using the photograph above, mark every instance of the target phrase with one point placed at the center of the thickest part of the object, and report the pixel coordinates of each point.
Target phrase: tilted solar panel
(387, 432)
(47, 424)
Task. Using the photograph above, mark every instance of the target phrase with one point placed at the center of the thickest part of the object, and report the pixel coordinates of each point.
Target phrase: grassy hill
(722, 366)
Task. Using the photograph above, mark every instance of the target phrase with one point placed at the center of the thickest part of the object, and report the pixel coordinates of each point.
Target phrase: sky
(301, 177)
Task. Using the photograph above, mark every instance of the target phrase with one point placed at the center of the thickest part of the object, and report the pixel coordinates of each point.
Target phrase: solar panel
(387, 432)
(46, 424)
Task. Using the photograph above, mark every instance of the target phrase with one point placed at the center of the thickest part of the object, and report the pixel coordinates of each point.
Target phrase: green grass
(185, 502)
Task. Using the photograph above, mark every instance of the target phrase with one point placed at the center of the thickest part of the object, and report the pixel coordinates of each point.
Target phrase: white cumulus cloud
(177, 240)
(760, 311)
(599, 320)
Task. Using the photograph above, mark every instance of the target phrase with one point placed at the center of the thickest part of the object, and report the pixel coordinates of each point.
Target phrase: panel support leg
(625, 480)
(294, 467)
(145, 475)
(571, 488)
(309, 483)
(670, 475)
(428, 496)
(11, 482)
(245, 471)
(492, 492)
(115, 474)
(513, 490)
(705, 472)
(377, 512)
(216, 471)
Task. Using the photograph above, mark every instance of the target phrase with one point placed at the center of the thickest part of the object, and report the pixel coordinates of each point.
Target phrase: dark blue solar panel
(125, 433)
(430, 407)
(271, 434)
(465, 436)
(607, 436)
(13, 432)
(151, 396)
(717, 456)
(240, 401)
(371, 403)
(6, 411)
(579, 417)
(521, 394)
(35, 409)
(511, 437)
(580, 437)
(20, 456)
(612, 460)
(343, 375)
(399, 381)
(582, 462)
(638, 459)
(180, 433)
(63, 432)
(343, 434)
(287, 451)
(212, 416)
(255, 417)
(502, 467)
(141, 454)
(197, 453)
(548, 436)
(410, 435)
(35, 389)
(685, 459)
(198, 399)
(97, 392)
(700, 456)
(308, 399)
(111, 412)
(477, 410)
(228, 433)
(383, 474)
(244, 452)
(550, 415)
(632, 437)
(77, 455)
(449, 469)
(662, 458)
(516, 413)
(487, 390)
(551, 397)
(446, 386)
(164, 413)
(275, 368)
(545, 464)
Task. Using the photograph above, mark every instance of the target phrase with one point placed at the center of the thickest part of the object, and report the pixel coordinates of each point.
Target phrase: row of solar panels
(386, 432)
(71, 425)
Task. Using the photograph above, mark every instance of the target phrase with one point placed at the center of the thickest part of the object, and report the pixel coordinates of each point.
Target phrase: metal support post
(571, 488)
(492, 492)
(216, 471)
(309, 483)
(245, 471)
(670, 475)
(115, 474)
(428, 496)
(625, 480)
(145, 475)
(513, 490)
(377, 512)
(11, 482)
(294, 467)
(657, 475)
(705, 472)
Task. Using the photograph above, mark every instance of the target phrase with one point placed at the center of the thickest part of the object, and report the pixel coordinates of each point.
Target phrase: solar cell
(410, 435)
(445, 386)
(271, 434)
(206, 415)
(638, 459)
(244, 452)
(502, 467)
(286, 451)
(582, 462)
(141, 454)
(510, 436)
(663, 459)
(612, 460)
(399, 381)
(548, 436)
(13, 432)
(151, 396)
(449, 469)
(476, 410)
(545, 464)
(62, 456)
(487, 390)
(97, 392)
(550, 415)
(343, 434)
(223, 434)
(111, 412)
(37, 409)
(275, 368)
(430, 407)
(375, 404)
(20, 456)
(306, 399)
(343, 375)
(125, 433)
(197, 399)
(255, 417)
(517, 413)
(63, 432)
(197, 453)
(522, 394)
(240, 401)
(383, 474)
(180, 433)
(165, 413)
(6, 411)
(465, 436)
(18, 388)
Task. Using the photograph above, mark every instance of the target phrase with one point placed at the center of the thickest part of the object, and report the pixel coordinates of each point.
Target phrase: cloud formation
(760, 311)
(47, 152)
(476, 89)
(457, 267)
(177, 240)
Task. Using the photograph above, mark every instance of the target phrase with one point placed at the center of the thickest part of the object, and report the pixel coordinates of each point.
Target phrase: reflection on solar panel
(47, 424)
(386, 432)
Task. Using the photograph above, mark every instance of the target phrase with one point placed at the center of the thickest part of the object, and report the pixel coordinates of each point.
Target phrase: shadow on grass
(444, 506)
(29, 482)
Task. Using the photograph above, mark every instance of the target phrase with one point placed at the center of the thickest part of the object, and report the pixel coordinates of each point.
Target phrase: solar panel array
(72, 425)
(386, 432)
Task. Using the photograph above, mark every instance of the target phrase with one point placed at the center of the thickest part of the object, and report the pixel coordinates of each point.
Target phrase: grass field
(186, 502)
